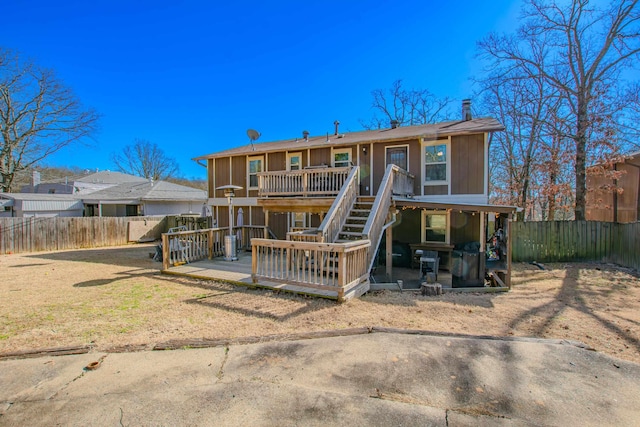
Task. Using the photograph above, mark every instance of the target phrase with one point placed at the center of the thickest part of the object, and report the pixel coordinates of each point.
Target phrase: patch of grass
(4, 337)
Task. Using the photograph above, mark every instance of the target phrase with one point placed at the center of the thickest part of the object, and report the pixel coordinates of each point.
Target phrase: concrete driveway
(361, 380)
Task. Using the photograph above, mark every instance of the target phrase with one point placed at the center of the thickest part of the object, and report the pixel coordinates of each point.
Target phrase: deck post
(165, 251)
(210, 243)
(266, 224)
(254, 263)
(509, 240)
(389, 252)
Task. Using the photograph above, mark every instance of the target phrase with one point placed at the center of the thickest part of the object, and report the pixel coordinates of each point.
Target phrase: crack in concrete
(84, 371)
(220, 373)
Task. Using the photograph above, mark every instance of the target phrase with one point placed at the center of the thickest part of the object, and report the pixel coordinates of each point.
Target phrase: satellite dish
(253, 134)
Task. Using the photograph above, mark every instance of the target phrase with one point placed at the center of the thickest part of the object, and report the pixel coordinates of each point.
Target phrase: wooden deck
(239, 273)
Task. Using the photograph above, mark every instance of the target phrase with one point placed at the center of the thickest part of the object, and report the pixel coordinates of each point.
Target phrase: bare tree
(39, 116)
(145, 159)
(582, 51)
(406, 106)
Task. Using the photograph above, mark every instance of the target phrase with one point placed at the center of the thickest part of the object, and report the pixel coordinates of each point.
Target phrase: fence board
(561, 241)
(34, 234)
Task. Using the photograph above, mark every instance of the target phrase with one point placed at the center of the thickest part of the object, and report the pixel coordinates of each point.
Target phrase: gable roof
(428, 132)
(109, 177)
(147, 191)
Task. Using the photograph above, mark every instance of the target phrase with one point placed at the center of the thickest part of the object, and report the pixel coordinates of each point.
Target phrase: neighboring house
(144, 198)
(39, 205)
(416, 187)
(615, 199)
(103, 194)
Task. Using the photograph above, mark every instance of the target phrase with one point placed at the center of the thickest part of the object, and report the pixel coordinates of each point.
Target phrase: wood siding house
(615, 199)
(349, 201)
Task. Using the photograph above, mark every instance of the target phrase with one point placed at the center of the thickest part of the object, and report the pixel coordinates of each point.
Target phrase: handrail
(394, 178)
(339, 211)
(305, 182)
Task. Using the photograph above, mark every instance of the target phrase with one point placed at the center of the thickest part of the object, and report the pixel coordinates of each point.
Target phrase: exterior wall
(605, 205)
(173, 208)
(277, 161)
(464, 227)
(414, 156)
(320, 156)
(467, 164)
(222, 172)
(239, 175)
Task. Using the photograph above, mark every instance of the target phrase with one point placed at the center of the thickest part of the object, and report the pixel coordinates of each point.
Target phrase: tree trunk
(581, 160)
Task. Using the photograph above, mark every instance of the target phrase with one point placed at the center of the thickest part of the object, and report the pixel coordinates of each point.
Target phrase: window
(254, 166)
(341, 158)
(435, 226)
(435, 163)
(298, 220)
(294, 161)
(397, 156)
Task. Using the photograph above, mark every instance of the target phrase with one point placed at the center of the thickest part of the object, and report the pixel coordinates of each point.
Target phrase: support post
(389, 252)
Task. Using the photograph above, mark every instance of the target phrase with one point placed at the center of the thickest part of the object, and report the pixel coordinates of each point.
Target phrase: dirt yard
(115, 299)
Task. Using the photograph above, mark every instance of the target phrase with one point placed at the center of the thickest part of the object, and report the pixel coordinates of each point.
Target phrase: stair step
(357, 218)
(351, 225)
(362, 211)
(350, 233)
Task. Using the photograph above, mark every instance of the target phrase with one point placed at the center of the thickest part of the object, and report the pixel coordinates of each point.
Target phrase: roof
(42, 202)
(109, 177)
(428, 132)
(147, 191)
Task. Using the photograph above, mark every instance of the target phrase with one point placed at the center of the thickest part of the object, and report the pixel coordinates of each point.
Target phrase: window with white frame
(341, 158)
(435, 162)
(435, 226)
(254, 165)
(298, 220)
(294, 161)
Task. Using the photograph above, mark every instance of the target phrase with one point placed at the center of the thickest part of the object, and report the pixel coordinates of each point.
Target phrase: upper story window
(435, 226)
(294, 161)
(341, 158)
(254, 165)
(435, 162)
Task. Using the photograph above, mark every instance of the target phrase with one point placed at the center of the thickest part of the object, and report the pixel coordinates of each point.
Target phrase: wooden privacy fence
(560, 241)
(35, 234)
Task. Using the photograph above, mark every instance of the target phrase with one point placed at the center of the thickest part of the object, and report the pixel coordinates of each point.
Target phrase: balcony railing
(323, 181)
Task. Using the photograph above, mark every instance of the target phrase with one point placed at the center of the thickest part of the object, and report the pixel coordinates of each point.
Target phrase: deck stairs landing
(355, 222)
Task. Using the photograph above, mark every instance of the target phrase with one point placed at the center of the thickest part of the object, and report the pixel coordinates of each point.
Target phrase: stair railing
(339, 211)
(395, 181)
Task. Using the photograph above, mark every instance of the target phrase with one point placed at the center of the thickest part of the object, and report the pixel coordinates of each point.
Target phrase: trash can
(230, 248)
(465, 269)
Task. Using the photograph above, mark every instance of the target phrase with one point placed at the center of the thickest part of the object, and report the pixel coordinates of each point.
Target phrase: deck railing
(402, 182)
(335, 267)
(339, 211)
(188, 246)
(310, 235)
(305, 182)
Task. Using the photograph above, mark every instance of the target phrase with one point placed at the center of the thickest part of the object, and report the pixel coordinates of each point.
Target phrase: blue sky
(193, 76)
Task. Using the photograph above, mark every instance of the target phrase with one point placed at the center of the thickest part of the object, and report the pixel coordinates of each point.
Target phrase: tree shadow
(574, 295)
(127, 256)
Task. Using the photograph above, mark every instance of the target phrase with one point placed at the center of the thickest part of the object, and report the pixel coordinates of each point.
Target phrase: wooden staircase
(355, 222)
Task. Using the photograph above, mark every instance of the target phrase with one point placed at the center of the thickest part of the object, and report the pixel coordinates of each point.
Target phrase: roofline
(250, 148)
(456, 206)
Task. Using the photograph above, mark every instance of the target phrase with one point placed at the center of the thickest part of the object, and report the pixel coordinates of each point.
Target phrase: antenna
(253, 135)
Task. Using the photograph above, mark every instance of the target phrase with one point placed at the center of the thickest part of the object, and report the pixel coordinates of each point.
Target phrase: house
(613, 191)
(348, 201)
(143, 198)
(103, 193)
(39, 205)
